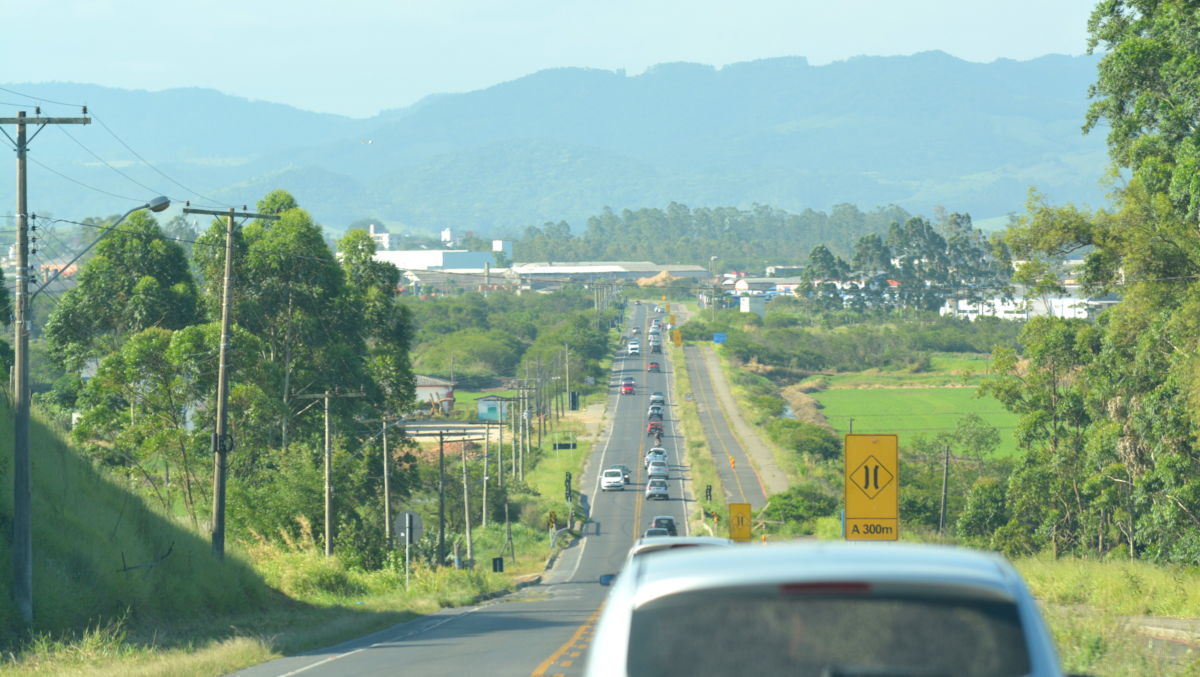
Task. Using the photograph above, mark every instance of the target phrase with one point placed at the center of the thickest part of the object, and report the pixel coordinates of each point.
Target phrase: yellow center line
(541, 669)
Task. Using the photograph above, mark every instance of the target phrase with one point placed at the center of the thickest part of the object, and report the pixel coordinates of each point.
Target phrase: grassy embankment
(697, 453)
(191, 615)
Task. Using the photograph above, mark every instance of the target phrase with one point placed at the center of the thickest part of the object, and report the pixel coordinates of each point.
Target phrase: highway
(543, 629)
(742, 484)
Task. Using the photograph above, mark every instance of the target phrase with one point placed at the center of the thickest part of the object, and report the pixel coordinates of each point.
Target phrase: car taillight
(825, 588)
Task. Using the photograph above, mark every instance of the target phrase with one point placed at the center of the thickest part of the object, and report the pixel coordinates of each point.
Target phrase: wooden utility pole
(22, 539)
(327, 396)
(441, 498)
(222, 442)
(387, 490)
(467, 506)
(945, 483)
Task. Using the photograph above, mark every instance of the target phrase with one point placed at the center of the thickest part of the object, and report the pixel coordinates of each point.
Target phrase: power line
(106, 163)
(38, 98)
(80, 183)
(151, 166)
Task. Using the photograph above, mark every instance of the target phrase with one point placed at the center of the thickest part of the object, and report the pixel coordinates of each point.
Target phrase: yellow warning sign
(677, 336)
(872, 485)
(739, 521)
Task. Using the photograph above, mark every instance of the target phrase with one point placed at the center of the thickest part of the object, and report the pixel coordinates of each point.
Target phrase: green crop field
(914, 411)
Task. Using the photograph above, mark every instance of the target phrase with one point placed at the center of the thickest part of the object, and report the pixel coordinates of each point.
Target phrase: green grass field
(914, 411)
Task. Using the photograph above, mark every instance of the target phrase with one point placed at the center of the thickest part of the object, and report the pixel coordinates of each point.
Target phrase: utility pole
(467, 507)
(487, 450)
(222, 442)
(945, 482)
(567, 375)
(22, 544)
(387, 490)
(327, 396)
(441, 498)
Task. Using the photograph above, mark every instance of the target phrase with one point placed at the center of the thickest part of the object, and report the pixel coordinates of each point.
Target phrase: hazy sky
(357, 57)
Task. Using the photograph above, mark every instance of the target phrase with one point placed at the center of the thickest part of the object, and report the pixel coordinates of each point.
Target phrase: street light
(22, 547)
(156, 205)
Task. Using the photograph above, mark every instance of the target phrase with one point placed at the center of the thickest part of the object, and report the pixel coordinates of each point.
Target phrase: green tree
(137, 279)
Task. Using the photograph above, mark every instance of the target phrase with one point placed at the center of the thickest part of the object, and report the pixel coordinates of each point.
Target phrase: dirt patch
(804, 407)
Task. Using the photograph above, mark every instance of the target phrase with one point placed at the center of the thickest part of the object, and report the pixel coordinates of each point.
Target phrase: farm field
(914, 411)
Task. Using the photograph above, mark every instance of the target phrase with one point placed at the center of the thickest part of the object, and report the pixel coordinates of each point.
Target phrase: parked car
(665, 522)
(658, 469)
(824, 608)
(656, 488)
(612, 478)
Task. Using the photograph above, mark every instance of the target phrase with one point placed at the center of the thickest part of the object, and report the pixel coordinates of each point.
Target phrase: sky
(358, 57)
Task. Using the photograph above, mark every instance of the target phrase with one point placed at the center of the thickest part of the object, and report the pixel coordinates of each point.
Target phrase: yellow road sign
(677, 336)
(739, 521)
(872, 486)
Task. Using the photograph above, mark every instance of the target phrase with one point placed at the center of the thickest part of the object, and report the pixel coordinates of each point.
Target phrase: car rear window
(768, 632)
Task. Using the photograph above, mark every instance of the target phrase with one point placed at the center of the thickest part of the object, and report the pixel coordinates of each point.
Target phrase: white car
(821, 608)
(658, 469)
(655, 454)
(634, 348)
(656, 488)
(612, 478)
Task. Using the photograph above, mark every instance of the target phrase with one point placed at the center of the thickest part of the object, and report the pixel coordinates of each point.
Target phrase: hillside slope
(86, 530)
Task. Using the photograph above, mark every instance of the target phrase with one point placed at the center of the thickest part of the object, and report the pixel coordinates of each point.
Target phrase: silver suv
(815, 609)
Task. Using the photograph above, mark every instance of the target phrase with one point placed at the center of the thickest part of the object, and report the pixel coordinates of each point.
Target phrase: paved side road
(773, 478)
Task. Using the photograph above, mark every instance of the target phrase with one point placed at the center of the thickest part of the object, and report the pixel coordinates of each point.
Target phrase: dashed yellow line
(541, 669)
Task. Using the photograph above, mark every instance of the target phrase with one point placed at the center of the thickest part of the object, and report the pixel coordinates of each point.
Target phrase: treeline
(129, 367)
(743, 239)
(1110, 412)
(478, 339)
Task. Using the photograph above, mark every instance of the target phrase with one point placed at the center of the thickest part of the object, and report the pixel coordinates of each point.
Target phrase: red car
(653, 368)
(654, 427)
(626, 388)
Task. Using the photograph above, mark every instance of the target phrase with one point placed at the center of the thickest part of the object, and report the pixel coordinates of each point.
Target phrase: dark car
(653, 368)
(665, 522)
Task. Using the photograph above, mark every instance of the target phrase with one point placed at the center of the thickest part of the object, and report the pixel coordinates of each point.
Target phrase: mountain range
(916, 131)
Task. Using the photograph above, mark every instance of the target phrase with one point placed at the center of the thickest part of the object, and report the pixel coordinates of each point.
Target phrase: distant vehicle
(664, 522)
(651, 533)
(656, 348)
(627, 389)
(655, 454)
(634, 330)
(658, 469)
(634, 348)
(636, 302)
(656, 416)
(655, 409)
(824, 608)
(657, 397)
(657, 488)
(653, 368)
(627, 379)
(654, 427)
(612, 478)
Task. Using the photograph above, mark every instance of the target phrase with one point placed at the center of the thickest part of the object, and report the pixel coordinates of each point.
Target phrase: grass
(914, 411)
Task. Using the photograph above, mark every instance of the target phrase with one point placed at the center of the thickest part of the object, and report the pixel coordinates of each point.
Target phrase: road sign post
(872, 488)
(739, 522)
(413, 528)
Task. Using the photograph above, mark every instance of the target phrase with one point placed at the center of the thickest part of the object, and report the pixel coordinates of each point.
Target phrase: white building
(383, 239)
(1073, 305)
(437, 259)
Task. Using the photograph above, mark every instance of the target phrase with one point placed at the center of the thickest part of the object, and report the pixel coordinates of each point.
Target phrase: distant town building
(383, 239)
(447, 236)
(437, 259)
(1074, 304)
(753, 304)
(492, 408)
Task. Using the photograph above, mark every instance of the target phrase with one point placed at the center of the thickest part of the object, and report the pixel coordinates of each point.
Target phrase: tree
(137, 279)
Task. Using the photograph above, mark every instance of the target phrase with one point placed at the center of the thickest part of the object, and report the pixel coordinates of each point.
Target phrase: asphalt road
(544, 629)
(742, 484)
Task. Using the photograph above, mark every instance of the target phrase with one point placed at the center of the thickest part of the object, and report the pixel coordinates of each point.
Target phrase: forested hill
(915, 131)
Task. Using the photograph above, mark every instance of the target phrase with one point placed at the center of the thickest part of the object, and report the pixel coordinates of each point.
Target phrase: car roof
(662, 517)
(937, 566)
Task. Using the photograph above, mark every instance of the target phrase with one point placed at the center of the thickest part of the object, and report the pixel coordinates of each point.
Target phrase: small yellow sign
(739, 522)
(677, 336)
(872, 484)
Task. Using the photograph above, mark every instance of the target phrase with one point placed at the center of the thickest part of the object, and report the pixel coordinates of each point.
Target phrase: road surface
(543, 629)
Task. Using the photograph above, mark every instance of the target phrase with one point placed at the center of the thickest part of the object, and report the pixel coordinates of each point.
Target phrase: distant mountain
(916, 131)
